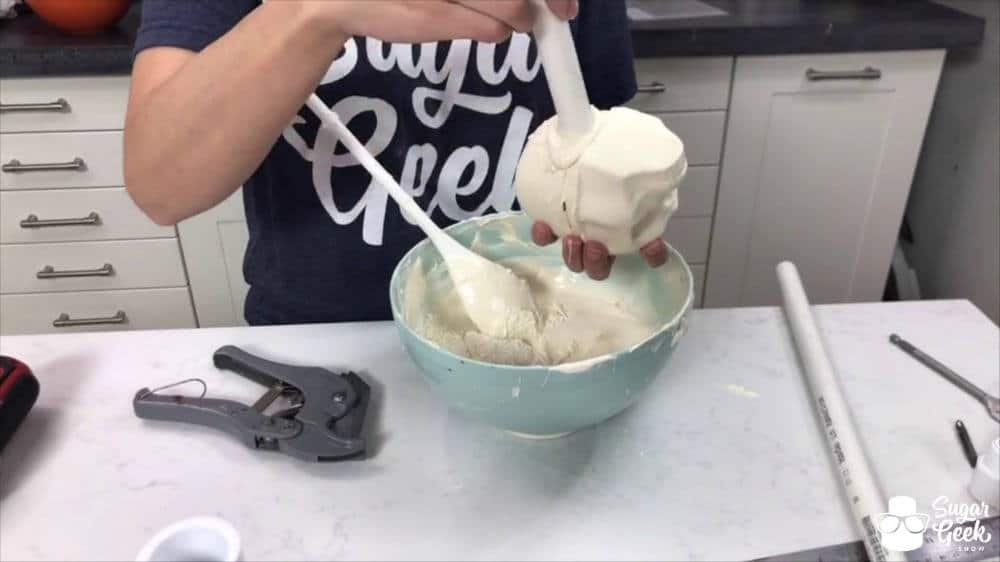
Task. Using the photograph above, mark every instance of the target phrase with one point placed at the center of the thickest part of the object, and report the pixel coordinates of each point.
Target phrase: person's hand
(592, 256)
(409, 21)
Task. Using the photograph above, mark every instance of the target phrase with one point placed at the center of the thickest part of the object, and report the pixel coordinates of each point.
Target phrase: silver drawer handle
(652, 88)
(64, 320)
(16, 167)
(58, 106)
(49, 272)
(32, 221)
(866, 73)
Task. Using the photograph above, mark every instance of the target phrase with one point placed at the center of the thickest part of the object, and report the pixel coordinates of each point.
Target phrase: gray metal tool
(324, 424)
(992, 403)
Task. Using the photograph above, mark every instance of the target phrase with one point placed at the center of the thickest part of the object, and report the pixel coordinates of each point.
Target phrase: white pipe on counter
(856, 475)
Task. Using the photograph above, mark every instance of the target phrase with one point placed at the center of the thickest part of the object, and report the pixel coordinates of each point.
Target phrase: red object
(80, 16)
(18, 392)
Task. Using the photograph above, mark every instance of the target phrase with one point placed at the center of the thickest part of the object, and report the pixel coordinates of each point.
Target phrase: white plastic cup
(202, 539)
(985, 483)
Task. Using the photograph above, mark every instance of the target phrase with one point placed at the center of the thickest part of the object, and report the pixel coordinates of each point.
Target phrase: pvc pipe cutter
(324, 423)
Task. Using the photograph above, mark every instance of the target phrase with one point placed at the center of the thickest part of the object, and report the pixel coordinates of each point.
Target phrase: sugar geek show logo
(903, 528)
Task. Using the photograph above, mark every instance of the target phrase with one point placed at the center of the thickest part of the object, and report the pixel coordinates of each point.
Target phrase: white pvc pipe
(562, 72)
(856, 475)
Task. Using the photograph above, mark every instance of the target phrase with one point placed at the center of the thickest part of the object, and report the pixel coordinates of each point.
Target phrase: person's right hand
(418, 21)
(592, 256)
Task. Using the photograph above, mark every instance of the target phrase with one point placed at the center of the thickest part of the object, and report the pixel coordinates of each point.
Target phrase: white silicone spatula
(562, 71)
(498, 302)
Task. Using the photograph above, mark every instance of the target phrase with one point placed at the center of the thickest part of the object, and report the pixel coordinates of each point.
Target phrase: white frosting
(577, 320)
(617, 184)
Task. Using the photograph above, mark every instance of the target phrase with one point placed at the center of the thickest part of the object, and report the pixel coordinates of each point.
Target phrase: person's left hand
(592, 256)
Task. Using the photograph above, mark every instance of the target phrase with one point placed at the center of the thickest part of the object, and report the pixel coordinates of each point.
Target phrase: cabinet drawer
(117, 217)
(96, 311)
(88, 266)
(698, 272)
(47, 160)
(690, 237)
(91, 103)
(701, 132)
(697, 193)
(683, 84)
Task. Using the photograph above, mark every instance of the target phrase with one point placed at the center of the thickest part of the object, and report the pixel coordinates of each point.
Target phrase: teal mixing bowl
(547, 401)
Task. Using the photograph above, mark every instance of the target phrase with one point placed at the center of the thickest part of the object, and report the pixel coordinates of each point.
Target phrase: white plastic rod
(856, 476)
(562, 71)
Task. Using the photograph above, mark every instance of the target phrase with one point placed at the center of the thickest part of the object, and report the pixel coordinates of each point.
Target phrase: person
(443, 92)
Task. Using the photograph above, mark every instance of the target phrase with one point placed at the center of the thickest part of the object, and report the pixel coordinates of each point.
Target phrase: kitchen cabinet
(819, 156)
(691, 96)
(55, 104)
(96, 311)
(214, 243)
(129, 222)
(61, 160)
(677, 84)
(76, 254)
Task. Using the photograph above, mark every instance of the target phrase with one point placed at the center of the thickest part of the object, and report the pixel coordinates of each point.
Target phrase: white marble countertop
(721, 460)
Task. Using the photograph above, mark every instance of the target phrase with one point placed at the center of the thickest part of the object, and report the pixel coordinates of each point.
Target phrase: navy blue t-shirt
(449, 120)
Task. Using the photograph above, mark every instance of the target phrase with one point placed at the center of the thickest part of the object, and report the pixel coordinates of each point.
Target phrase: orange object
(80, 16)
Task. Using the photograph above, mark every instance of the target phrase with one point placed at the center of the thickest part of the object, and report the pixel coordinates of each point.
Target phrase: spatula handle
(406, 203)
(941, 369)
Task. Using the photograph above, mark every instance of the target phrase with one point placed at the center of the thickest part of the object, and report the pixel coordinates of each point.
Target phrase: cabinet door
(819, 156)
(214, 243)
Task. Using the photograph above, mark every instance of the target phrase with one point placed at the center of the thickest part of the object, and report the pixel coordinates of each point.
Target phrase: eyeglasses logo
(902, 528)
